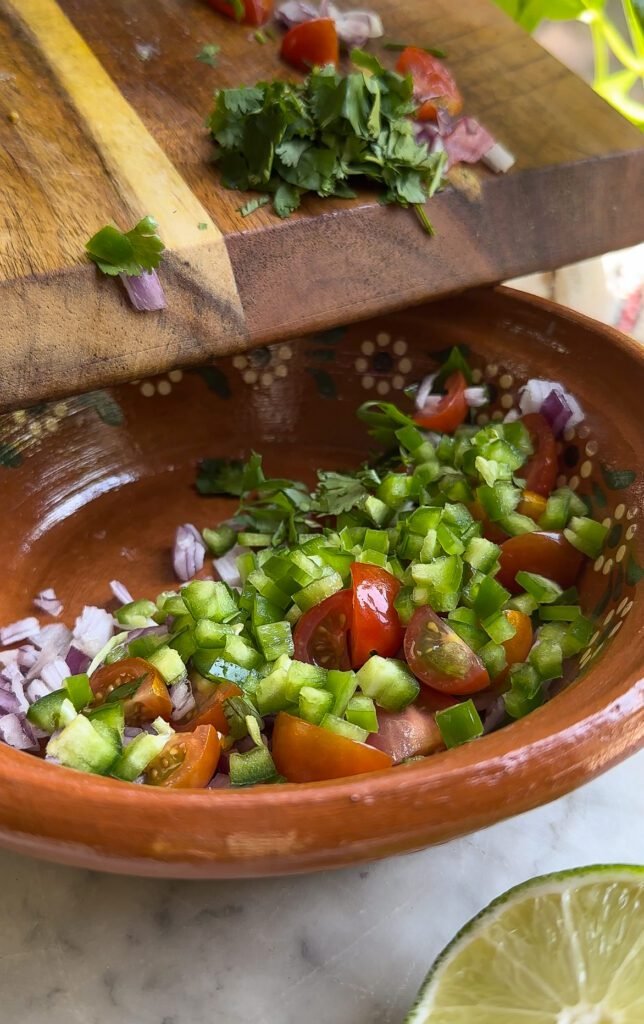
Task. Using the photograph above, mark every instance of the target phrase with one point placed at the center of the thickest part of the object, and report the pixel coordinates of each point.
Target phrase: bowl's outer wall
(98, 499)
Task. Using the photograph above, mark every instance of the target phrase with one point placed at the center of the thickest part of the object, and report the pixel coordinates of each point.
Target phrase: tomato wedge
(491, 531)
(438, 657)
(434, 85)
(376, 627)
(450, 411)
(310, 44)
(150, 698)
(407, 733)
(321, 636)
(307, 753)
(548, 554)
(186, 761)
(540, 471)
(256, 12)
(209, 709)
(518, 646)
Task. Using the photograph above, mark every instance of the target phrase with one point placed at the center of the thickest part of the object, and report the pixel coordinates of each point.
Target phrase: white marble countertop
(349, 947)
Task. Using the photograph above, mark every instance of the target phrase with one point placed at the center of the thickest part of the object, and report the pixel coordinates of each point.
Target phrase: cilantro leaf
(253, 204)
(220, 476)
(208, 54)
(286, 199)
(130, 253)
(337, 493)
(383, 419)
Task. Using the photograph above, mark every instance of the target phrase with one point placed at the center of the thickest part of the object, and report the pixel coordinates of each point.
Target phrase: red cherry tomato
(321, 635)
(540, 471)
(256, 12)
(438, 657)
(209, 708)
(548, 554)
(307, 753)
(313, 43)
(434, 86)
(149, 700)
(376, 626)
(450, 411)
(407, 733)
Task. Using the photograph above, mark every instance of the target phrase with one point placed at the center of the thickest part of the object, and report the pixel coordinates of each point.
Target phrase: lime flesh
(562, 949)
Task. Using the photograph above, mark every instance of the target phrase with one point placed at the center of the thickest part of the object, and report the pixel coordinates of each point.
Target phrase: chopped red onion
(494, 716)
(14, 732)
(425, 389)
(23, 629)
(120, 591)
(476, 397)
(16, 681)
(12, 655)
(27, 655)
(354, 28)
(9, 703)
(406, 733)
(55, 673)
(77, 661)
(552, 400)
(431, 404)
(466, 142)
(37, 689)
(183, 701)
(511, 416)
(55, 636)
(144, 291)
(188, 553)
(48, 603)
(226, 566)
(130, 733)
(92, 630)
(219, 781)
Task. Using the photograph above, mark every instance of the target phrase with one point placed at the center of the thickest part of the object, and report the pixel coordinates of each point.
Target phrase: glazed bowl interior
(93, 488)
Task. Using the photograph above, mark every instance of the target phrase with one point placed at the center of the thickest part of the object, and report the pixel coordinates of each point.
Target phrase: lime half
(561, 949)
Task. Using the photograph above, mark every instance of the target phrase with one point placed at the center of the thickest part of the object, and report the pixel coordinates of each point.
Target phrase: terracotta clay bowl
(92, 489)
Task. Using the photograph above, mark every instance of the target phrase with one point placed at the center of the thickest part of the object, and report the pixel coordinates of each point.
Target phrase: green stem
(634, 27)
(619, 46)
(600, 51)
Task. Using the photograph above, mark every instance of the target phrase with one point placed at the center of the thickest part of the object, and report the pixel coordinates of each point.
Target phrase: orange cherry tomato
(491, 531)
(209, 709)
(407, 733)
(150, 700)
(518, 646)
(439, 658)
(548, 554)
(310, 44)
(434, 85)
(321, 636)
(376, 627)
(307, 753)
(256, 12)
(532, 505)
(450, 411)
(540, 471)
(188, 761)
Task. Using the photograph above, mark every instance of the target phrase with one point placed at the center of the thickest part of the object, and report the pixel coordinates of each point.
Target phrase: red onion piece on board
(144, 291)
(93, 628)
(47, 602)
(188, 553)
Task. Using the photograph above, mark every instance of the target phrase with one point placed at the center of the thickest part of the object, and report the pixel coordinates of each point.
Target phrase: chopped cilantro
(253, 204)
(338, 492)
(209, 54)
(220, 476)
(286, 138)
(260, 37)
(131, 253)
(201, 226)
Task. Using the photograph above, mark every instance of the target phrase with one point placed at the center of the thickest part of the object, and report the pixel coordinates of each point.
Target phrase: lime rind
(557, 884)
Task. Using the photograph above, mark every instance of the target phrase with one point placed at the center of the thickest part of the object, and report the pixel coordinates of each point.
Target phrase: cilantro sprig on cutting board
(320, 135)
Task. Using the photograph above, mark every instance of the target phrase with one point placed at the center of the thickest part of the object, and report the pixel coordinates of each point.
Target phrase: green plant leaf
(618, 479)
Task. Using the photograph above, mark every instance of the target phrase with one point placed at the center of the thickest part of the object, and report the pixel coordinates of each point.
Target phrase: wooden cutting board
(102, 108)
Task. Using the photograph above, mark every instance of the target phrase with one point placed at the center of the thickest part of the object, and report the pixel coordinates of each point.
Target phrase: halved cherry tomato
(256, 12)
(321, 635)
(540, 471)
(376, 627)
(310, 44)
(532, 505)
(434, 86)
(407, 733)
(450, 411)
(188, 761)
(307, 753)
(438, 657)
(548, 554)
(150, 700)
(209, 709)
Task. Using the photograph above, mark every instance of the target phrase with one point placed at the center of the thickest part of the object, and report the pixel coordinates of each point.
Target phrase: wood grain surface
(102, 110)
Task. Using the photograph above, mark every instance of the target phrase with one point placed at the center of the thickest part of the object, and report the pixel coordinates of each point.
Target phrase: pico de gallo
(403, 608)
